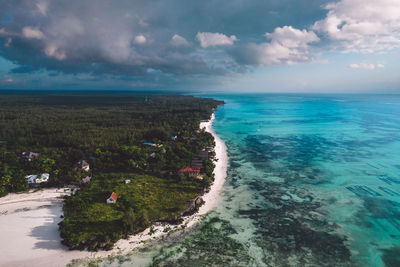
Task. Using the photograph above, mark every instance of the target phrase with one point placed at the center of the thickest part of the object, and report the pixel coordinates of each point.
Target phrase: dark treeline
(108, 131)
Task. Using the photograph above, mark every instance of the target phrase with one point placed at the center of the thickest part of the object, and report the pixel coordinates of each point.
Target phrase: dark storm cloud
(139, 37)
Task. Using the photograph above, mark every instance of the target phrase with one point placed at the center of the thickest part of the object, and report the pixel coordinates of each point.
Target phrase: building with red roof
(112, 199)
(190, 171)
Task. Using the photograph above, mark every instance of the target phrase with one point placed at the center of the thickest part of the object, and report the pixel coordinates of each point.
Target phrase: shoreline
(42, 243)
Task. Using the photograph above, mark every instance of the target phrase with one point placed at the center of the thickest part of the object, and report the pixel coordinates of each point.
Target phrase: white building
(31, 178)
(44, 177)
(84, 165)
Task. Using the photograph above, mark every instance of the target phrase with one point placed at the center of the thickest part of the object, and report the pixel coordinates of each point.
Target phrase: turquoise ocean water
(313, 180)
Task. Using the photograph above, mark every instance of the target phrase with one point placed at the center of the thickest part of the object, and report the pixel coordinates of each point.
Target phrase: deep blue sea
(313, 180)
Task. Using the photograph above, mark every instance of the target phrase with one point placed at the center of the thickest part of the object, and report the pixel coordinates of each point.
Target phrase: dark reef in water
(209, 244)
(391, 257)
(291, 227)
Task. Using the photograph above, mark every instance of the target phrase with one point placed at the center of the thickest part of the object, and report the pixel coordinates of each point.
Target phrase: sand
(29, 230)
(211, 198)
(29, 222)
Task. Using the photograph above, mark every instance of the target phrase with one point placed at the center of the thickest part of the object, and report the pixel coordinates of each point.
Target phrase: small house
(127, 181)
(34, 179)
(152, 144)
(29, 156)
(148, 144)
(190, 171)
(84, 165)
(112, 199)
(31, 178)
(44, 177)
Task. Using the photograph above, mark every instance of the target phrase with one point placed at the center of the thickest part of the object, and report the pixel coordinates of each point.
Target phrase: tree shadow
(47, 234)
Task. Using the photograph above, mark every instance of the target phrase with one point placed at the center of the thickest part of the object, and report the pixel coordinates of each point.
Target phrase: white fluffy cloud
(140, 39)
(209, 39)
(287, 46)
(366, 66)
(290, 37)
(32, 33)
(178, 40)
(364, 26)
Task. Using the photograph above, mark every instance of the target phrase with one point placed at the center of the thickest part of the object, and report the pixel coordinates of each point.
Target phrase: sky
(318, 46)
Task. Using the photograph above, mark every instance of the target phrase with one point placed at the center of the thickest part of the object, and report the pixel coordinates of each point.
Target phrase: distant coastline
(47, 211)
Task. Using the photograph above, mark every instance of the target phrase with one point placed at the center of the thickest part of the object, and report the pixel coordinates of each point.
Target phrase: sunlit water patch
(312, 180)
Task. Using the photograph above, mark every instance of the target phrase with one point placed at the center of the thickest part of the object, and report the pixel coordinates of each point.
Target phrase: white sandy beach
(29, 222)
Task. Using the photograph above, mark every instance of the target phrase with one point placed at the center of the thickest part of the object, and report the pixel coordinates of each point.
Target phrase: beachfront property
(148, 144)
(152, 144)
(44, 177)
(84, 165)
(190, 171)
(29, 156)
(33, 178)
(112, 199)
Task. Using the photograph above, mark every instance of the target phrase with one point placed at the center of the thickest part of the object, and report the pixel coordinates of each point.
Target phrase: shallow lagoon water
(312, 180)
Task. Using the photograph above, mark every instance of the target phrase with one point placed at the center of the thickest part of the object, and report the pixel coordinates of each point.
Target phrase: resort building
(33, 178)
(112, 199)
(152, 144)
(148, 144)
(84, 165)
(190, 171)
(44, 178)
(29, 156)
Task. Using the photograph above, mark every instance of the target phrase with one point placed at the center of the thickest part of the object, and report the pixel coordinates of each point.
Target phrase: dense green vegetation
(108, 131)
